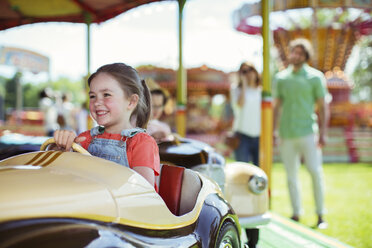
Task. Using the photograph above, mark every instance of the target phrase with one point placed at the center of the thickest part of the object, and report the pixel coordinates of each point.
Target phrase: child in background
(159, 130)
(120, 104)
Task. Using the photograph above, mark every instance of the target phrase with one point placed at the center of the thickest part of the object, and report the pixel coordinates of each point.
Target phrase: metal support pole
(266, 140)
(181, 79)
(88, 49)
(88, 21)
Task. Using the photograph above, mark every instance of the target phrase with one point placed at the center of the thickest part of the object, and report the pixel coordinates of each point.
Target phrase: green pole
(88, 49)
(266, 140)
(88, 21)
(181, 78)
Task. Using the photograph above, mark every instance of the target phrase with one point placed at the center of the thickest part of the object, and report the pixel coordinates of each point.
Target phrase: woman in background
(246, 103)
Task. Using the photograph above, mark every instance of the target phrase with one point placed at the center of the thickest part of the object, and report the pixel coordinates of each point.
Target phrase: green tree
(362, 74)
(2, 85)
(10, 90)
(76, 88)
(31, 95)
(31, 91)
(2, 97)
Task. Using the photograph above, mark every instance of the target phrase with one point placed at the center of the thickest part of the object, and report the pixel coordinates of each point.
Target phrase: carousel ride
(333, 28)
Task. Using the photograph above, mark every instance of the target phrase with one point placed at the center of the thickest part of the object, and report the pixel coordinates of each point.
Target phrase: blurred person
(227, 114)
(66, 113)
(159, 130)
(246, 104)
(298, 90)
(50, 111)
(81, 116)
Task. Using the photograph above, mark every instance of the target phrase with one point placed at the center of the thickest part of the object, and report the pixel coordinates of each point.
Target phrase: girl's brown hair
(131, 83)
(250, 66)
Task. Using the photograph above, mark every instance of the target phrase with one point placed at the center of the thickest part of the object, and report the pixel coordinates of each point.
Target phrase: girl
(120, 104)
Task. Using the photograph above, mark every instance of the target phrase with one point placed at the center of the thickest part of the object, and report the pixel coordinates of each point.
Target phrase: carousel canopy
(19, 12)
(333, 27)
(200, 80)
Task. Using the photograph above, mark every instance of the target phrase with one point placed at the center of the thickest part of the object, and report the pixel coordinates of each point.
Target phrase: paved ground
(284, 233)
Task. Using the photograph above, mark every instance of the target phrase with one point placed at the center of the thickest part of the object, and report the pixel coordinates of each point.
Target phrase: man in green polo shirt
(298, 90)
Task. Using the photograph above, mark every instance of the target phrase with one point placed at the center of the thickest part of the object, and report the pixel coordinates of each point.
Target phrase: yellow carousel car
(71, 199)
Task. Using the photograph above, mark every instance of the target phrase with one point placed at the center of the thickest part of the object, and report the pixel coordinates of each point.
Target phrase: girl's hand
(65, 138)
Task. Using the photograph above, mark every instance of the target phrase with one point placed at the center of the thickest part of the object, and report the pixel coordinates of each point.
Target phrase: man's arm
(277, 112)
(276, 116)
(323, 120)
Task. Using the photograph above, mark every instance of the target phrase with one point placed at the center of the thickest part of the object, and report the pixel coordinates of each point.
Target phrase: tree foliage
(31, 91)
(30, 95)
(362, 74)
(11, 89)
(65, 85)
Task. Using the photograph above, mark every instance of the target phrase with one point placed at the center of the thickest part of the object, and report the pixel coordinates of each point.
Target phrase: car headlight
(257, 183)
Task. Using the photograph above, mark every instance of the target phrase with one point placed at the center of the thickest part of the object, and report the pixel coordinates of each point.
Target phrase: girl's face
(108, 104)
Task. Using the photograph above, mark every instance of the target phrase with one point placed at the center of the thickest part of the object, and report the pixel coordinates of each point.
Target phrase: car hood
(67, 184)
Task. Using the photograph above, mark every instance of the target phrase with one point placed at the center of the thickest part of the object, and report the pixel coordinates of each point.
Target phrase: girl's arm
(147, 173)
(143, 156)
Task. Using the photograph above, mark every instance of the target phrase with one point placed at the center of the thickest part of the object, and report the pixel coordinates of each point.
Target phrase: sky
(145, 35)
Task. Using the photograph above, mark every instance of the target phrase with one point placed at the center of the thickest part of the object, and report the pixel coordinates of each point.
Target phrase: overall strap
(131, 132)
(126, 132)
(96, 130)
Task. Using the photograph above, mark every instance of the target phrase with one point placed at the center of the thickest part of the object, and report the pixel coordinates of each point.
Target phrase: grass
(348, 199)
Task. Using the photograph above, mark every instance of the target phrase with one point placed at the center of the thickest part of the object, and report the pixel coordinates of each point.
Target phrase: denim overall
(113, 150)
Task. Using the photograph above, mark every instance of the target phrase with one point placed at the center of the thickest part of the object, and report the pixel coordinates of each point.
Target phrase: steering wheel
(75, 146)
(176, 139)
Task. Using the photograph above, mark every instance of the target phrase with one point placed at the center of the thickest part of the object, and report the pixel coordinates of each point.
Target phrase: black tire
(228, 236)
(252, 236)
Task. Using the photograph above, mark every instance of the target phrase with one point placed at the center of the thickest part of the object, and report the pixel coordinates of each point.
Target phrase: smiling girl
(120, 104)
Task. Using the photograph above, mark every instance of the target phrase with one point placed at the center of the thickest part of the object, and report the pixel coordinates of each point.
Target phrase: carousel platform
(283, 232)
